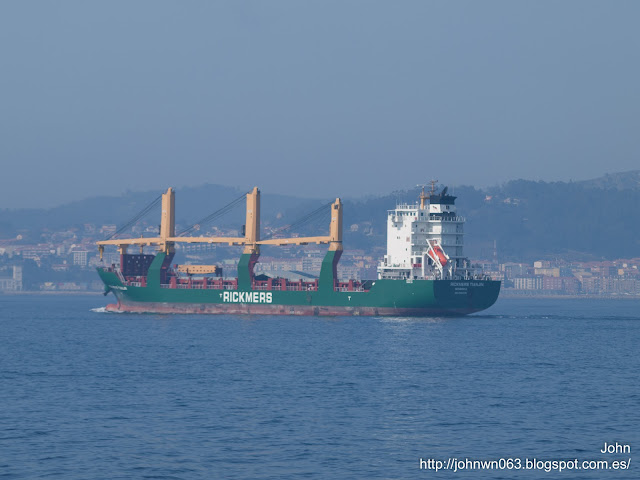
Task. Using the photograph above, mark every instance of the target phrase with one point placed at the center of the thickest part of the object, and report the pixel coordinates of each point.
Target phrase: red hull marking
(245, 309)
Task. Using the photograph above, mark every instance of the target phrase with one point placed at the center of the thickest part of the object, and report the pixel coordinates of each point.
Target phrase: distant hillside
(537, 219)
(618, 181)
(529, 220)
(597, 218)
(192, 204)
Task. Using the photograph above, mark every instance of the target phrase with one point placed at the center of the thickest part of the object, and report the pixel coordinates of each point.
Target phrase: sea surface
(91, 395)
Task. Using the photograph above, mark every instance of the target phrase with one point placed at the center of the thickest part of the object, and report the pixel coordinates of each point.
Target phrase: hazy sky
(316, 98)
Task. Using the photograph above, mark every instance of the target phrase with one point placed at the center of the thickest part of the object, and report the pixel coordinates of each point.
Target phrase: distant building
(551, 282)
(80, 257)
(311, 263)
(608, 271)
(512, 270)
(529, 282)
(65, 286)
(12, 283)
(620, 286)
(591, 285)
(550, 271)
(348, 272)
(568, 285)
(542, 264)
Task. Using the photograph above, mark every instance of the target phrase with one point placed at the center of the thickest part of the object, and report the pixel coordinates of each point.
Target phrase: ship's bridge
(415, 229)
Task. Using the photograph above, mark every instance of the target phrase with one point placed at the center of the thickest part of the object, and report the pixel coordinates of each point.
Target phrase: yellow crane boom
(251, 241)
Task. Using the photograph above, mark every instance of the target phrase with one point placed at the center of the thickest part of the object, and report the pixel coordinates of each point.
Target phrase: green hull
(385, 297)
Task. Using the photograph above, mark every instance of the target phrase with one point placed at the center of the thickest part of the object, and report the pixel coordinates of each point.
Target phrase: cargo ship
(424, 272)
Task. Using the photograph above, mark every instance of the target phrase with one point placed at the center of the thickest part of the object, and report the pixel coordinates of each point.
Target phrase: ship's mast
(168, 220)
(252, 225)
(335, 229)
(433, 184)
(423, 196)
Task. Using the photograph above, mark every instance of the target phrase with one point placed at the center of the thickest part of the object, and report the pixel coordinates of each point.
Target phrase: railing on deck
(273, 284)
(351, 286)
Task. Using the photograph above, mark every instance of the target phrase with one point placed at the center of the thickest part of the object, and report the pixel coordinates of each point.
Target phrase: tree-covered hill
(598, 218)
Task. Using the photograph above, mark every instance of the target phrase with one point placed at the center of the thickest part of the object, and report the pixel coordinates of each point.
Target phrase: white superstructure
(425, 240)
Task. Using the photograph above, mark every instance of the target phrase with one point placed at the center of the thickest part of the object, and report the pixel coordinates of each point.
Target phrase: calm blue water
(92, 395)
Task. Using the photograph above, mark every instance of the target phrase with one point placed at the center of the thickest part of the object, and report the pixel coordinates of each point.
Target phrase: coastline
(569, 297)
(66, 292)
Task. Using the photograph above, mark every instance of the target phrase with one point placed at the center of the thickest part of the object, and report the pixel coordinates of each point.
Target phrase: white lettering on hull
(247, 297)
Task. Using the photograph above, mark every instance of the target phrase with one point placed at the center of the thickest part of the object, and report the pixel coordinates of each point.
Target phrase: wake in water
(103, 310)
(543, 316)
(414, 319)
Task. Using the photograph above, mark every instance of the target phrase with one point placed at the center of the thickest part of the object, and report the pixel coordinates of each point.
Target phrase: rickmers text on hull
(424, 272)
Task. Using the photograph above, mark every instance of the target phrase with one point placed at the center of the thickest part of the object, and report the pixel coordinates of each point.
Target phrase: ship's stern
(466, 296)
